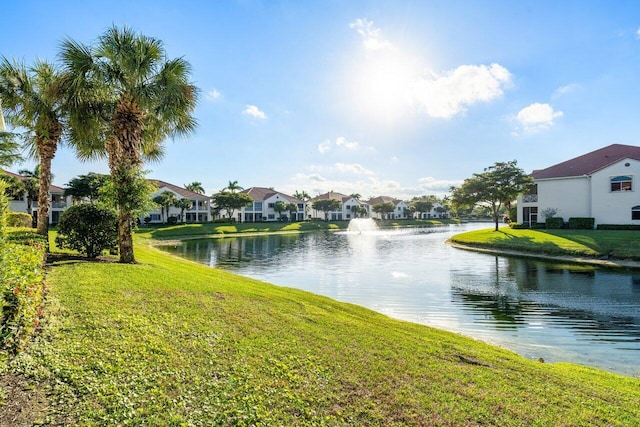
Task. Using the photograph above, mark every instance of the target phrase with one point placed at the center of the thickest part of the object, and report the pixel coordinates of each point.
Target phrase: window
(272, 216)
(257, 206)
(272, 205)
(348, 207)
(635, 212)
(621, 183)
(300, 206)
(155, 217)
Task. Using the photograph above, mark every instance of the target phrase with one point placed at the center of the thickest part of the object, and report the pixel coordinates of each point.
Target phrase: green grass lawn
(171, 342)
(182, 231)
(590, 243)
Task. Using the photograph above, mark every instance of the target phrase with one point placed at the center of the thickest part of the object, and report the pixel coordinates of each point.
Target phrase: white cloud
(430, 185)
(394, 159)
(446, 95)
(537, 117)
(349, 145)
(253, 111)
(638, 34)
(352, 168)
(371, 36)
(324, 146)
(563, 90)
(214, 95)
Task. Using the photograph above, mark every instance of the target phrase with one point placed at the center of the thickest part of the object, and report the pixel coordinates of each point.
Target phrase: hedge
(579, 223)
(554, 223)
(19, 219)
(618, 227)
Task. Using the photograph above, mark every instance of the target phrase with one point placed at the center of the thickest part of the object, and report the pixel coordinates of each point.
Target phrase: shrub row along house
(600, 185)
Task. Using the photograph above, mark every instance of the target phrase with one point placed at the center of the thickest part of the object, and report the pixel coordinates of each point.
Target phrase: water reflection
(539, 309)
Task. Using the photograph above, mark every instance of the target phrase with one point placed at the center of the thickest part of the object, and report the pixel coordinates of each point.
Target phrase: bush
(554, 223)
(88, 228)
(518, 225)
(618, 227)
(538, 226)
(22, 285)
(172, 220)
(19, 219)
(25, 236)
(579, 223)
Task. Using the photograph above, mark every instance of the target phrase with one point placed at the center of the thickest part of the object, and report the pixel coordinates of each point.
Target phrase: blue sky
(396, 98)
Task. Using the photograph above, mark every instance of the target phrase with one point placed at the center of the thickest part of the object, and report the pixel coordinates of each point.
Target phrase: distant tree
(280, 207)
(196, 187)
(302, 195)
(230, 201)
(497, 185)
(326, 206)
(233, 187)
(86, 186)
(183, 204)
(293, 210)
(383, 208)
(423, 205)
(165, 199)
(30, 184)
(88, 228)
(356, 196)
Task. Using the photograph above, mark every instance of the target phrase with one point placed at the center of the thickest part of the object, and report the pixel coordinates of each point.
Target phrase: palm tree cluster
(118, 99)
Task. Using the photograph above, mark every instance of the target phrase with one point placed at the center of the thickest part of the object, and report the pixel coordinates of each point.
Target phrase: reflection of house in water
(593, 302)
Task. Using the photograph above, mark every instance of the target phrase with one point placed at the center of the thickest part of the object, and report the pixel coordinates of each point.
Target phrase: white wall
(614, 207)
(570, 196)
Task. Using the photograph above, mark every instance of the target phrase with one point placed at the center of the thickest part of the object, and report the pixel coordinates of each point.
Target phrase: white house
(59, 203)
(350, 207)
(264, 203)
(199, 212)
(602, 184)
(399, 207)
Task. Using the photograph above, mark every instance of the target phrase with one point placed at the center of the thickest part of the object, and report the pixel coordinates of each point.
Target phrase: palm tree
(183, 204)
(30, 184)
(356, 196)
(33, 100)
(196, 187)
(302, 195)
(126, 99)
(165, 200)
(233, 187)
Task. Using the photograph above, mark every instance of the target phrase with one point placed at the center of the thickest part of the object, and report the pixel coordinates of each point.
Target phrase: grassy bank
(170, 342)
(581, 243)
(182, 231)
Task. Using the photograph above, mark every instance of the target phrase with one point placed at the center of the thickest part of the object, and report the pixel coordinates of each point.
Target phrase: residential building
(350, 207)
(264, 204)
(58, 202)
(602, 184)
(399, 207)
(199, 212)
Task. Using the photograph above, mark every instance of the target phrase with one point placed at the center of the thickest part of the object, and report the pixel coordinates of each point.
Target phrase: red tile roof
(590, 162)
(187, 194)
(332, 195)
(262, 193)
(383, 199)
(52, 188)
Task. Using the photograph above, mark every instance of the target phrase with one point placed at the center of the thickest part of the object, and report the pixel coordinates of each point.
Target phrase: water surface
(559, 312)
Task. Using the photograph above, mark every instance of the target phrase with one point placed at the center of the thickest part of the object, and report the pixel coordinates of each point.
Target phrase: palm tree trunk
(46, 151)
(125, 238)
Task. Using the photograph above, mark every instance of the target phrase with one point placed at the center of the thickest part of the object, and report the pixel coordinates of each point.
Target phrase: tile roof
(262, 193)
(383, 199)
(332, 195)
(590, 162)
(52, 188)
(188, 194)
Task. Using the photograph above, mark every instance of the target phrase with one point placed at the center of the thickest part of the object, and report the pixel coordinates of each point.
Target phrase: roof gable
(589, 163)
(52, 188)
(262, 193)
(187, 194)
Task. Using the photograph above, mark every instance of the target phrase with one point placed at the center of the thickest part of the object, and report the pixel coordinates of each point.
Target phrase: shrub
(538, 226)
(19, 219)
(580, 223)
(172, 220)
(554, 223)
(21, 283)
(25, 236)
(518, 225)
(618, 227)
(88, 228)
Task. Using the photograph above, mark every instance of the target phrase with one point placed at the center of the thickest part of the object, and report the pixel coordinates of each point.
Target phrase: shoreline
(607, 263)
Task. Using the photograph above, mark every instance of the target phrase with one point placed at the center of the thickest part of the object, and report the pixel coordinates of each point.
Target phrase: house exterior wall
(614, 207)
(263, 210)
(200, 212)
(58, 204)
(570, 196)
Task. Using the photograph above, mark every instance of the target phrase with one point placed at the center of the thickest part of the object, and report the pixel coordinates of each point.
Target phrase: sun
(381, 85)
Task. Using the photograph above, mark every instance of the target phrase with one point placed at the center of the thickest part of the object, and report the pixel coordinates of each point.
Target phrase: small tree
(497, 185)
(183, 204)
(280, 207)
(196, 187)
(165, 200)
(86, 186)
(326, 206)
(293, 210)
(88, 228)
(383, 209)
(231, 201)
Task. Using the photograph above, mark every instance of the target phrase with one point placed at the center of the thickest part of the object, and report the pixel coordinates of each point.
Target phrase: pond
(560, 312)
